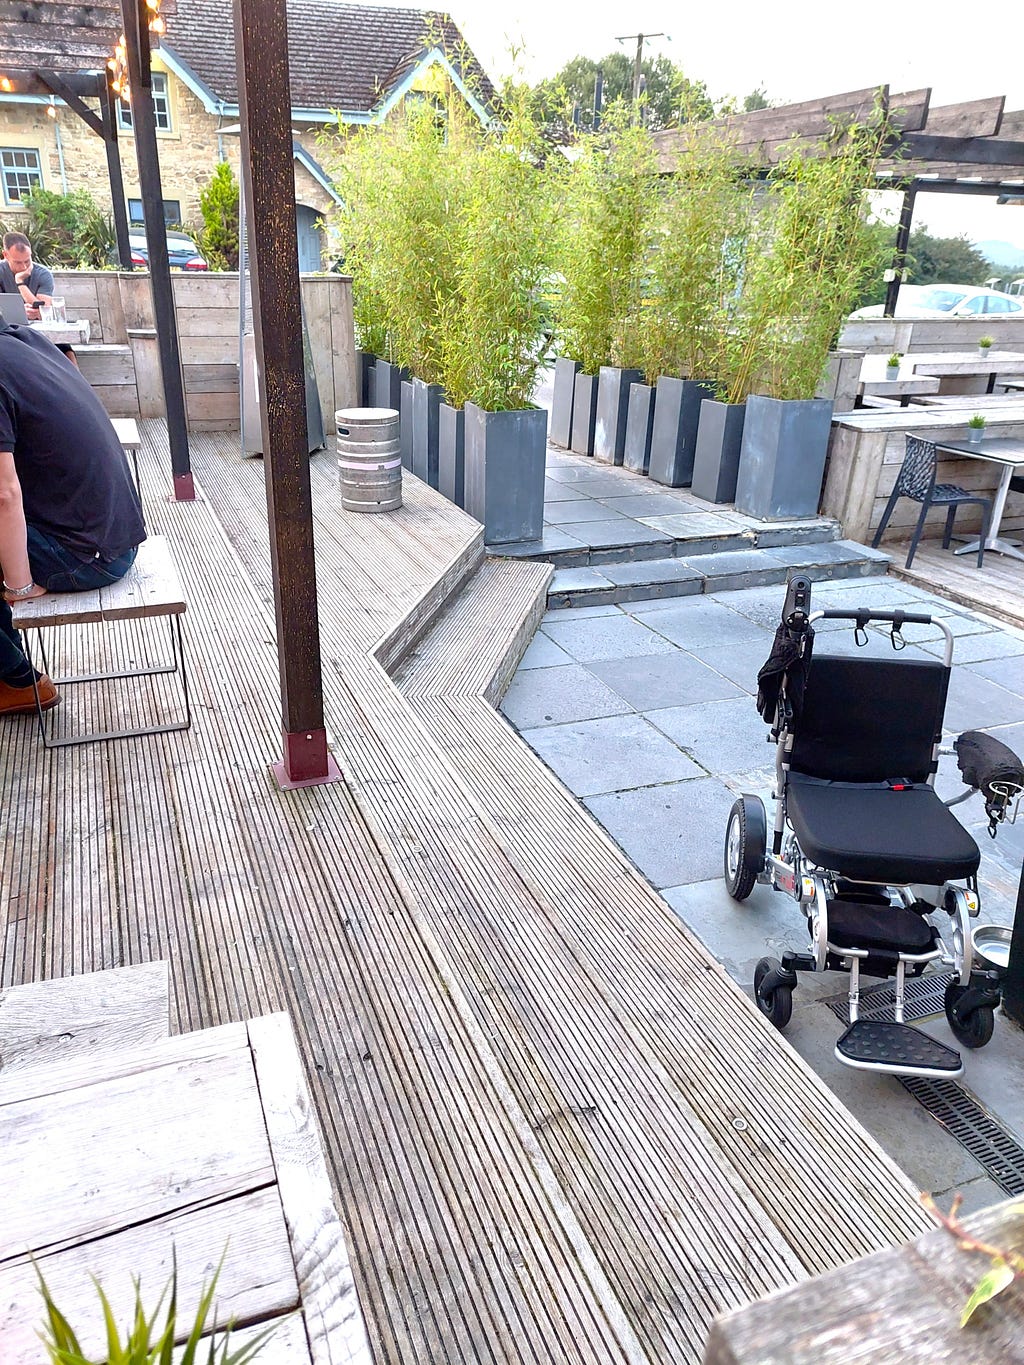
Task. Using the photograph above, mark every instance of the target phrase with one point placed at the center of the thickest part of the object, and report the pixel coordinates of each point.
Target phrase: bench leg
(179, 665)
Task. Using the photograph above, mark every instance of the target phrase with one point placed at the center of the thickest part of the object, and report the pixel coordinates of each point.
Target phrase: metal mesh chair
(916, 480)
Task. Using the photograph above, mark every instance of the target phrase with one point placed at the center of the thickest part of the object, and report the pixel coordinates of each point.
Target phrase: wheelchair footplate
(896, 1050)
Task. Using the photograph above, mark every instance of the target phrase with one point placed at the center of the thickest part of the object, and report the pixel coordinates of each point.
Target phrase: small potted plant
(984, 346)
(975, 428)
(892, 367)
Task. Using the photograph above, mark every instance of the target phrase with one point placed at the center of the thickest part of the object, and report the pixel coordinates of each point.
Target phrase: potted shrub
(975, 428)
(796, 297)
(494, 316)
(892, 366)
(606, 224)
(984, 346)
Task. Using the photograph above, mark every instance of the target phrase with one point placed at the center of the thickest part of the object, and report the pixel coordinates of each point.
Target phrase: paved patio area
(646, 712)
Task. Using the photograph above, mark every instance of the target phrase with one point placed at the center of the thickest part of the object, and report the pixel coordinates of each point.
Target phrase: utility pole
(639, 38)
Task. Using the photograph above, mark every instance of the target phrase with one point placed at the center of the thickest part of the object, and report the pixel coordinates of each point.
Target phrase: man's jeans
(57, 570)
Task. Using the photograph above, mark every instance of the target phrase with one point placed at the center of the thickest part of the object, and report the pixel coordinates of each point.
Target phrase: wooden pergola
(970, 148)
(70, 48)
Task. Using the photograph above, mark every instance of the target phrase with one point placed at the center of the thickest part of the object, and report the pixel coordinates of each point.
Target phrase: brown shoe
(21, 701)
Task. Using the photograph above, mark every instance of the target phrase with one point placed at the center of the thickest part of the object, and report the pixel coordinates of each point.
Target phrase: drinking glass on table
(46, 312)
(59, 310)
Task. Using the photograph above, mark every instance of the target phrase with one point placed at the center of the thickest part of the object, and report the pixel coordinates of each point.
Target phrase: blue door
(309, 238)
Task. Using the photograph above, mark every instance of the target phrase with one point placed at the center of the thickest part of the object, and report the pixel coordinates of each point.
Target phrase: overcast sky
(795, 50)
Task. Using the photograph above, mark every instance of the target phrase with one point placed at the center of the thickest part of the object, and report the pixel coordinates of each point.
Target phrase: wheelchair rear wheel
(774, 996)
(974, 1029)
(746, 841)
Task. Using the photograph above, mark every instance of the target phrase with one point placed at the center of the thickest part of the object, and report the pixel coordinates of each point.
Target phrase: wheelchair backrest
(866, 720)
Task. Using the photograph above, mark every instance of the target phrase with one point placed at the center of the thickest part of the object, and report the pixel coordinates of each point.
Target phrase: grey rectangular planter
(505, 458)
(674, 442)
(451, 464)
(584, 413)
(426, 403)
(612, 407)
(639, 428)
(782, 460)
(561, 404)
(387, 385)
(405, 425)
(716, 461)
(364, 379)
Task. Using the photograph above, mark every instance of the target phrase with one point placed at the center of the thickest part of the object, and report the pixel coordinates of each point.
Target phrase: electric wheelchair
(884, 873)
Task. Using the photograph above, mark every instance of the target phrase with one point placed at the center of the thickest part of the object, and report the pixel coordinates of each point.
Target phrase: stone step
(724, 571)
(625, 541)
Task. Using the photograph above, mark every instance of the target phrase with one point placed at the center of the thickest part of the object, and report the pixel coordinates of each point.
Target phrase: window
(137, 217)
(21, 172)
(161, 106)
(975, 305)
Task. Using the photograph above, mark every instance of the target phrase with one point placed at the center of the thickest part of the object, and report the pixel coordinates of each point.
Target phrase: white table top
(999, 449)
(65, 333)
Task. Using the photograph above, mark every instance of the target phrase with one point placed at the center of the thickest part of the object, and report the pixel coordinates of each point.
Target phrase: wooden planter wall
(122, 363)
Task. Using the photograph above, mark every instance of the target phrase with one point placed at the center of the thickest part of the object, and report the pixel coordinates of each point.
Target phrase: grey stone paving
(661, 775)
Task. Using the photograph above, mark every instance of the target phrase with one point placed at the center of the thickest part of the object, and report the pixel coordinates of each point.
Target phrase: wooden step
(79, 1016)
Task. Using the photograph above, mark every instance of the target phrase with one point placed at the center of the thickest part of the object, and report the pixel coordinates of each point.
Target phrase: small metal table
(1007, 451)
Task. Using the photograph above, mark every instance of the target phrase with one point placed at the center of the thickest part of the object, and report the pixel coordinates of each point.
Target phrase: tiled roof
(340, 56)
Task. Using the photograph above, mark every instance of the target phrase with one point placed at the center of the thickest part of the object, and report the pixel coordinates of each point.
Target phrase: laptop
(12, 308)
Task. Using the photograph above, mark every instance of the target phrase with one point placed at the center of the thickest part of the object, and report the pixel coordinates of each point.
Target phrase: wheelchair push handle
(862, 614)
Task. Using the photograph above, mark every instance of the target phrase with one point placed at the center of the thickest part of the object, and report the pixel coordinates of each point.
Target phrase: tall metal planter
(451, 458)
(387, 384)
(716, 460)
(405, 425)
(505, 458)
(612, 409)
(561, 404)
(639, 428)
(674, 440)
(584, 413)
(782, 459)
(365, 361)
(426, 403)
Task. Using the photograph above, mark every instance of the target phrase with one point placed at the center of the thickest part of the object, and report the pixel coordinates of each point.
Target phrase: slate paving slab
(983, 647)
(555, 492)
(674, 679)
(542, 652)
(694, 624)
(1008, 673)
(646, 505)
(725, 737)
(559, 695)
(974, 702)
(605, 637)
(738, 662)
(613, 754)
(664, 829)
(553, 541)
(618, 530)
(576, 510)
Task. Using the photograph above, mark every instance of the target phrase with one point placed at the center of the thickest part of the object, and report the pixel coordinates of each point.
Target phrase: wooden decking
(996, 588)
(557, 1132)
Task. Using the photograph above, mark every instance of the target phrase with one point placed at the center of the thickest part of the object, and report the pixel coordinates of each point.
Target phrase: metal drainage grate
(922, 996)
(977, 1131)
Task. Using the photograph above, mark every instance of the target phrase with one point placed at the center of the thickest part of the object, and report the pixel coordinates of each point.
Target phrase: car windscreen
(942, 300)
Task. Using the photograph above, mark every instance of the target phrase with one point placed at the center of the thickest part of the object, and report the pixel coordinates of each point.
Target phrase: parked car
(948, 301)
(181, 251)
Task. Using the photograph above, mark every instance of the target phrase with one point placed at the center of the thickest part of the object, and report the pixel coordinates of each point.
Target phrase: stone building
(349, 64)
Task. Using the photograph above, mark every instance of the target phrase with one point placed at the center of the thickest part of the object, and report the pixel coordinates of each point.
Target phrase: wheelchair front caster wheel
(773, 991)
(746, 843)
(973, 1028)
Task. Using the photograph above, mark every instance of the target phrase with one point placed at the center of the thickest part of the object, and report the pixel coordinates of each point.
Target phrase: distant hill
(1003, 254)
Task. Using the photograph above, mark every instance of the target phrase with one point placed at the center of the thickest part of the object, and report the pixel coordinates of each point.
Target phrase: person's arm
(17, 575)
(33, 298)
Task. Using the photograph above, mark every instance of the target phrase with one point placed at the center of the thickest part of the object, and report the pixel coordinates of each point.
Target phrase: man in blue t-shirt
(19, 274)
(70, 517)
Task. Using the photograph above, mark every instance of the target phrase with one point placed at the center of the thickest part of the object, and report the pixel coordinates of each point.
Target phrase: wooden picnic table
(877, 382)
(70, 333)
(969, 363)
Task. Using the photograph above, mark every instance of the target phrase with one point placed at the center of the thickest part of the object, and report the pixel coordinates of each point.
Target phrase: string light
(118, 63)
(6, 84)
(51, 109)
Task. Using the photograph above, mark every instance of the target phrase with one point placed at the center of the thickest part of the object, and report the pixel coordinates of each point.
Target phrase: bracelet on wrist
(18, 592)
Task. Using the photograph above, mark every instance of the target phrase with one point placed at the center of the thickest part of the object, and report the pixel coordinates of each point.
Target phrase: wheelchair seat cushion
(869, 831)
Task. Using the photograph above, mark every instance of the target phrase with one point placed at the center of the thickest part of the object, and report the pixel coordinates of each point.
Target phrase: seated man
(19, 274)
(70, 517)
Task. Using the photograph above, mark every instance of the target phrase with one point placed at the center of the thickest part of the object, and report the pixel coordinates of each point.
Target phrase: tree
(951, 259)
(669, 97)
(218, 237)
(757, 99)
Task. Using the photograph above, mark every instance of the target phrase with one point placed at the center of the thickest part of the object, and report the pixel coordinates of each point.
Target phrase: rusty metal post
(264, 102)
(108, 113)
(899, 259)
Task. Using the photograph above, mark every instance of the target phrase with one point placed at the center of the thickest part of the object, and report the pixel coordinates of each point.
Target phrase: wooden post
(899, 259)
(136, 33)
(108, 111)
(1013, 983)
(264, 104)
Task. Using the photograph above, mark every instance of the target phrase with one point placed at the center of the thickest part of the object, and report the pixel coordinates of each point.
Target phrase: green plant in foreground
(977, 421)
(895, 358)
(1006, 1266)
(985, 342)
(146, 1342)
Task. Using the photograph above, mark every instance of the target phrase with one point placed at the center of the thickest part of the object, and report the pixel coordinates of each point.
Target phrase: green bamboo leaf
(993, 1282)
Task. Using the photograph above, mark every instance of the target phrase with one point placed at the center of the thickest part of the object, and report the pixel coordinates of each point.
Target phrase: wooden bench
(131, 442)
(151, 588)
